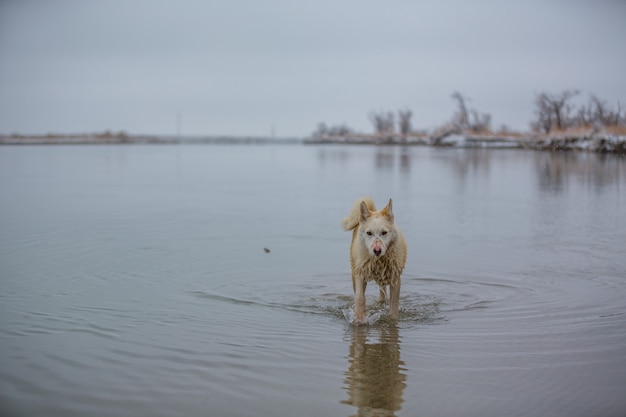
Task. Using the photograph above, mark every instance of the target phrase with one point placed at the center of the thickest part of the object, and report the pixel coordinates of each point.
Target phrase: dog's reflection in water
(375, 378)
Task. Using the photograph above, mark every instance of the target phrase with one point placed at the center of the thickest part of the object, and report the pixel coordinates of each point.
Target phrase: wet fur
(377, 253)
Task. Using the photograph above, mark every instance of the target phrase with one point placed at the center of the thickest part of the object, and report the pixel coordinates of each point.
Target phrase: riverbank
(123, 138)
(604, 142)
(81, 139)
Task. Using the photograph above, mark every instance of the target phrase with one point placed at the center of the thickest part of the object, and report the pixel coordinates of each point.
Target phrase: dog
(377, 253)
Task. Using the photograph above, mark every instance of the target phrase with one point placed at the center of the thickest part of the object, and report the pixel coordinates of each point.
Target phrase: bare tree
(469, 119)
(480, 122)
(543, 112)
(597, 113)
(404, 121)
(504, 129)
(617, 116)
(340, 130)
(324, 131)
(601, 113)
(383, 122)
(460, 118)
(584, 116)
(553, 110)
(321, 131)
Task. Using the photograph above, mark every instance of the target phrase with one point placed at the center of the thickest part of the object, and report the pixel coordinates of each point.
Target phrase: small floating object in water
(266, 250)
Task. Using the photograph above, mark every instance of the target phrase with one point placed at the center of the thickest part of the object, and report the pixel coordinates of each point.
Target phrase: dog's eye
(369, 233)
(384, 232)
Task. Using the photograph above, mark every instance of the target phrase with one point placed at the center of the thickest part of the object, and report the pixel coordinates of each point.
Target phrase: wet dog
(377, 253)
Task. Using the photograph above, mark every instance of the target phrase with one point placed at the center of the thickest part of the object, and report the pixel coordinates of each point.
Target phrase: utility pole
(178, 124)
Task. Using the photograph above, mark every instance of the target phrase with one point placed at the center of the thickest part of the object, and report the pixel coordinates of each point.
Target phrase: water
(134, 282)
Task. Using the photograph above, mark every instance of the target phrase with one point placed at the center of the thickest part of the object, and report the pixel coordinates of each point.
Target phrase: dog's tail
(352, 221)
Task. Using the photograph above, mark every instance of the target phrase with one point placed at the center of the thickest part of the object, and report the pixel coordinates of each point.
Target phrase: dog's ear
(365, 212)
(388, 211)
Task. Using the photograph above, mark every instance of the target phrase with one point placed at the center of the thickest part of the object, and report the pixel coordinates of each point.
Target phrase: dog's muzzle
(377, 249)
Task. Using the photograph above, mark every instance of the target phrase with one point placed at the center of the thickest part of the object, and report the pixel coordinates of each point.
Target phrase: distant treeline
(553, 113)
(107, 134)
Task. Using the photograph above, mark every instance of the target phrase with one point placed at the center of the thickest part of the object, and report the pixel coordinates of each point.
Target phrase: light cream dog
(377, 253)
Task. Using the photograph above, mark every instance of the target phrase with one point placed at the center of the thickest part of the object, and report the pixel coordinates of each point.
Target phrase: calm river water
(135, 282)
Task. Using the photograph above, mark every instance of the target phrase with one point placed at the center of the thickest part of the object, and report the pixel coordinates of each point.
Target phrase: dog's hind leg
(382, 294)
(359, 300)
(394, 300)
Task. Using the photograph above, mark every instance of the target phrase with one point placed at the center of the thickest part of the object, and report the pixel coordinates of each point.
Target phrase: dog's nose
(377, 249)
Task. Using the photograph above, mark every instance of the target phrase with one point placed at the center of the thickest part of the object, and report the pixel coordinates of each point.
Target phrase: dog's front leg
(394, 300)
(359, 299)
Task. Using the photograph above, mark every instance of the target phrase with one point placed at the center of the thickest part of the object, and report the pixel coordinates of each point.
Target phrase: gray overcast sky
(245, 67)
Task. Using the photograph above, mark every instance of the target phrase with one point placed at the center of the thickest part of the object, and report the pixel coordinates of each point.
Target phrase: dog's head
(376, 229)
